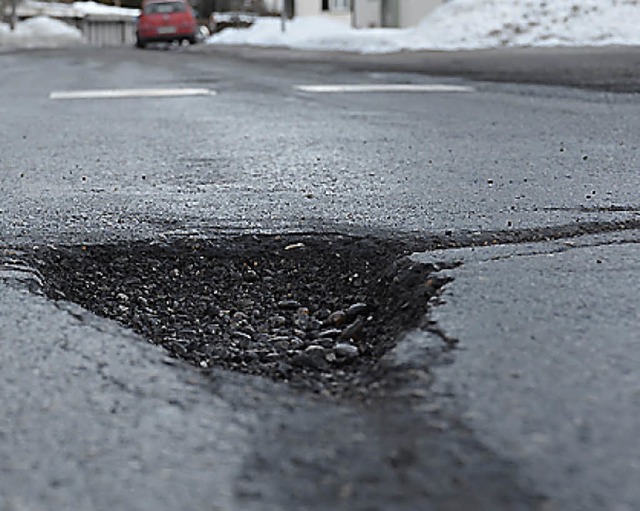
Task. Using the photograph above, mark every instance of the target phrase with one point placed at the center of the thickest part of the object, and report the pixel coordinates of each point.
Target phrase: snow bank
(462, 25)
(39, 32)
(456, 25)
(309, 33)
(469, 24)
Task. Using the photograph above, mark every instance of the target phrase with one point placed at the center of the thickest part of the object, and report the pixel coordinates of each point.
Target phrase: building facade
(360, 13)
(340, 9)
(391, 13)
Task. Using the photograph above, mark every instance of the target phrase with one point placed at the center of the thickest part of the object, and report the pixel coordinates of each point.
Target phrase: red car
(166, 21)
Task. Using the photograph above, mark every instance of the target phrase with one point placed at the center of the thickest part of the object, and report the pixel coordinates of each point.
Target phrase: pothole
(316, 311)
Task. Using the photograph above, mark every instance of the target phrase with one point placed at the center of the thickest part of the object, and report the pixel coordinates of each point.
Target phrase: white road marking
(129, 93)
(390, 87)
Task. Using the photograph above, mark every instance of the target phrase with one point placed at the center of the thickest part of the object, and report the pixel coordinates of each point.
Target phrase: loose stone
(310, 361)
(244, 340)
(357, 309)
(322, 314)
(244, 303)
(262, 337)
(337, 318)
(288, 305)
(278, 321)
(331, 332)
(346, 350)
(299, 333)
(282, 345)
(301, 318)
(325, 342)
(314, 324)
(296, 342)
(250, 276)
(353, 331)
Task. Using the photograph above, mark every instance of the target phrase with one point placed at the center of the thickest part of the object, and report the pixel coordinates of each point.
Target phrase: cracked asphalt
(518, 388)
(556, 341)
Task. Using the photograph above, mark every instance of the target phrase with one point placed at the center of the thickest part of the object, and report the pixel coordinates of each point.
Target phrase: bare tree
(13, 15)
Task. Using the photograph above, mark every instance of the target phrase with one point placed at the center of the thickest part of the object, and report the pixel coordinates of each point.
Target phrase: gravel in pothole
(316, 311)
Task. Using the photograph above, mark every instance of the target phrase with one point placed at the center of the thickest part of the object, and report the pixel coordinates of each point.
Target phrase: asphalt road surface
(515, 388)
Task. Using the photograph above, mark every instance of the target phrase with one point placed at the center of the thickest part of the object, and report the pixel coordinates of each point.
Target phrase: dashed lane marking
(129, 93)
(390, 87)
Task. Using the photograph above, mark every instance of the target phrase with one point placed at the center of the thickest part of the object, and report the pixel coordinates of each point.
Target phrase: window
(164, 8)
(339, 5)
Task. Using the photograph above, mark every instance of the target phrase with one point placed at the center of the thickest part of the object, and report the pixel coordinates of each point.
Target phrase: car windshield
(164, 7)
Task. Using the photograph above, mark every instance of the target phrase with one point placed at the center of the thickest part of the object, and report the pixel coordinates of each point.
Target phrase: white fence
(108, 30)
(98, 28)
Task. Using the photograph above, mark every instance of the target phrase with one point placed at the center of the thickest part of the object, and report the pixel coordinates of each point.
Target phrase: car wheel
(140, 43)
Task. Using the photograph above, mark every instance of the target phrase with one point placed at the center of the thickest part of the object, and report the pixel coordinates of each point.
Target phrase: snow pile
(462, 25)
(73, 10)
(311, 33)
(468, 24)
(41, 29)
(93, 8)
(39, 32)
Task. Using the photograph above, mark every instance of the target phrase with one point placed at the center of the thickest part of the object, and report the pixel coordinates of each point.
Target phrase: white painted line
(390, 87)
(129, 93)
